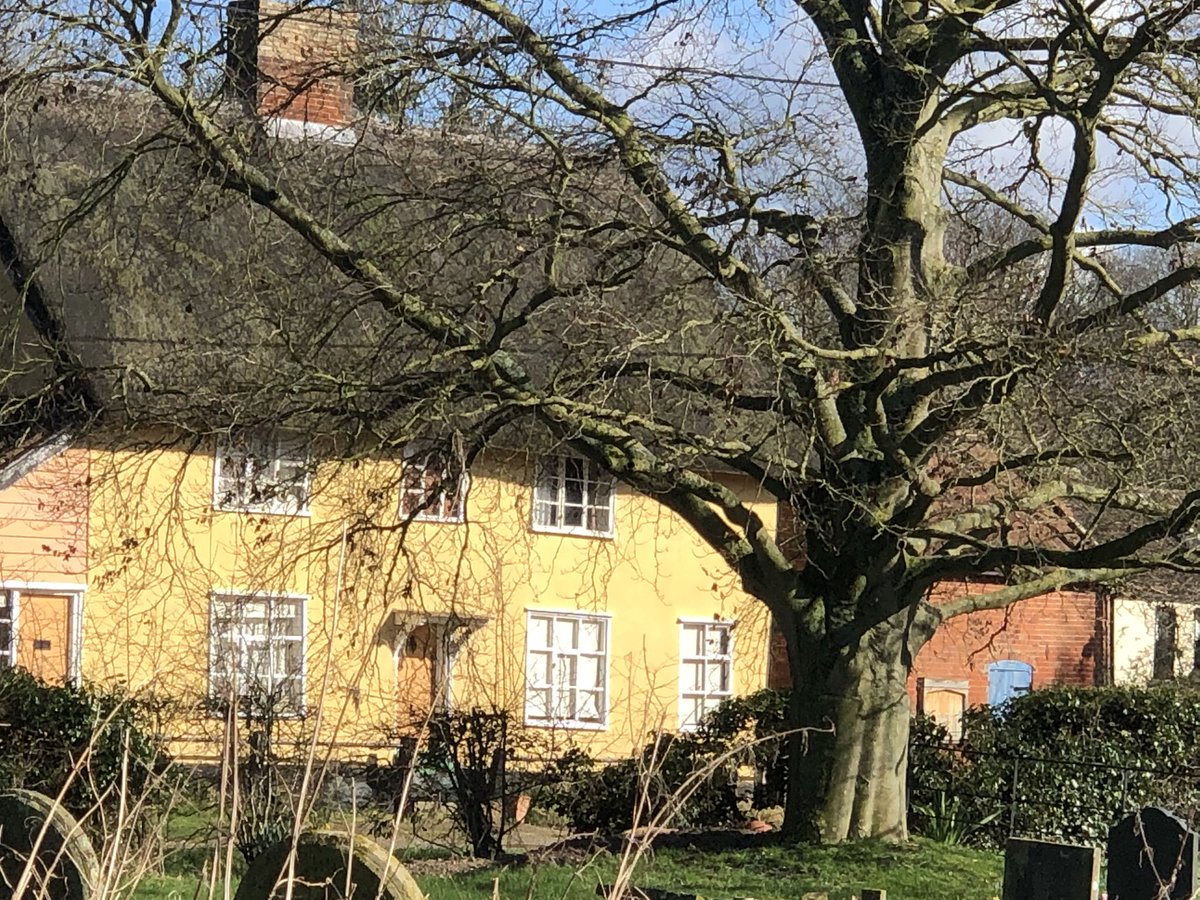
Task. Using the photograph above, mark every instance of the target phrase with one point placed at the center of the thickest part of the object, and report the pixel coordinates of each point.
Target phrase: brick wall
(305, 59)
(1063, 635)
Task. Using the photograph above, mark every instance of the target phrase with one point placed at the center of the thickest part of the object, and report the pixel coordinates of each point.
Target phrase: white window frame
(14, 590)
(558, 502)
(234, 596)
(605, 622)
(419, 460)
(709, 699)
(277, 449)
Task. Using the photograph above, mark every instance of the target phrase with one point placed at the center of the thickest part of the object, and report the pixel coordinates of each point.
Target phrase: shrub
(471, 752)
(1066, 762)
(763, 717)
(659, 780)
(48, 728)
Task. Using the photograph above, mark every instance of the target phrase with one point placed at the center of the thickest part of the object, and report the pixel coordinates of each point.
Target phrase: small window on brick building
(1166, 642)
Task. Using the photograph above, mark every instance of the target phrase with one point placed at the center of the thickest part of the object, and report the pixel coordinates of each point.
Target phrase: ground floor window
(566, 670)
(256, 652)
(1166, 642)
(706, 669)
(944, 701)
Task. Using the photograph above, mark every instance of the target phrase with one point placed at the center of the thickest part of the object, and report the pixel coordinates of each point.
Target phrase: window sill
(574, 532)
(296, 716)
(263, 511)
(565, 725)
(430, 520)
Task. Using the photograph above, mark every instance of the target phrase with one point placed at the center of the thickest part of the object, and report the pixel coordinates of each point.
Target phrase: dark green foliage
(47, 731)
(761, 716)
(1065, 763)
(265, 811)
(738, 732)
(690, 778)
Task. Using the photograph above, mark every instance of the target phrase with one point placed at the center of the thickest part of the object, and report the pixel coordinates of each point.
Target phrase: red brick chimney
(294, 62)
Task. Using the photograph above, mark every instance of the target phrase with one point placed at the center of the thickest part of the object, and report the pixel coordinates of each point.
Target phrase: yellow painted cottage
(372, 592)
(256, 520)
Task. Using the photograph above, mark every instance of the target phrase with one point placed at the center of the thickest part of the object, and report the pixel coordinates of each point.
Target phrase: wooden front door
(44, 635)
(419, 678)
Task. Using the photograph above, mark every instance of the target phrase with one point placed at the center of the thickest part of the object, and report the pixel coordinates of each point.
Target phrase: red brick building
(1062, 637)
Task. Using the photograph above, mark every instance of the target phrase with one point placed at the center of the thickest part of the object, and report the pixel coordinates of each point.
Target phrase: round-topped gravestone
(64, 867)
(323, 859)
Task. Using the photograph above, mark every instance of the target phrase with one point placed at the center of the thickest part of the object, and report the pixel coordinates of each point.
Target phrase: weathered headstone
(1151, 856)
(64, 866)
(323, 860)
(1042, 870)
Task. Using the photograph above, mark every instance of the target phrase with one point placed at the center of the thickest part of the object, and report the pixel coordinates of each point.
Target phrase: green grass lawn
(918, 871)
(921, 870)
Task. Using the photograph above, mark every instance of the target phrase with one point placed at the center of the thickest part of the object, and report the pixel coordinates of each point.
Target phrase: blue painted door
(1008, 678)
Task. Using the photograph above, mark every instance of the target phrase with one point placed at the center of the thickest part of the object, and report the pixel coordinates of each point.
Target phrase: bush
(659, 780)
(470, 756)
(763, 717)
(1072, 761)
(48, 729)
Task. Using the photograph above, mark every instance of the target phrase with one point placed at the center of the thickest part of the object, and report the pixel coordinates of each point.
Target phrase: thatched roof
(188, 304)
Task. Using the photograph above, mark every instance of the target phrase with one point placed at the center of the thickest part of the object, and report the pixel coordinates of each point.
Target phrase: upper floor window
(266, 473)
(429, 489)
(572, 495)
(256, 652)
(706, 669)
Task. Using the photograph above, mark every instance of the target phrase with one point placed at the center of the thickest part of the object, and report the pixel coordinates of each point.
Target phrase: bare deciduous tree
(920, 269)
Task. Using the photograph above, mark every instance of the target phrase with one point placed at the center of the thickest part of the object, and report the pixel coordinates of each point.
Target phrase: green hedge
(1061, 763)
(46, 730)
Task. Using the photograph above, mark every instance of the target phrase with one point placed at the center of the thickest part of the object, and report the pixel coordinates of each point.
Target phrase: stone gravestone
(65, 866)
(323, 860)
(1151, 856)
(1041, 870)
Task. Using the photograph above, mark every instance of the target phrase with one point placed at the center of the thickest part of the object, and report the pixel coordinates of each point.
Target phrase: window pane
(573, 492)
(537, 703)
(538, 669)
(545, 514)
(717, 681)
(566, 634)
(565, 672)
(602, 493)
(565, 707)
(693, 640)
(546, 488)
(591, 635)
(573, 469)
(541, 631)
(589, 672)
(691, 712)
(590, 703)
(693, 676)
(717, 641)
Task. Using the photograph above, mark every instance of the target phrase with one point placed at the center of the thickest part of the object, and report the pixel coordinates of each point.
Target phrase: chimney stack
(293, 65)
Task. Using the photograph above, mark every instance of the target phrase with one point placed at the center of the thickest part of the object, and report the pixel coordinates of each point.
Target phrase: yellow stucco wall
(158, 549)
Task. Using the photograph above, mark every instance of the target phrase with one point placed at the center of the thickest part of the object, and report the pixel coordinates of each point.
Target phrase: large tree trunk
(848, 764)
